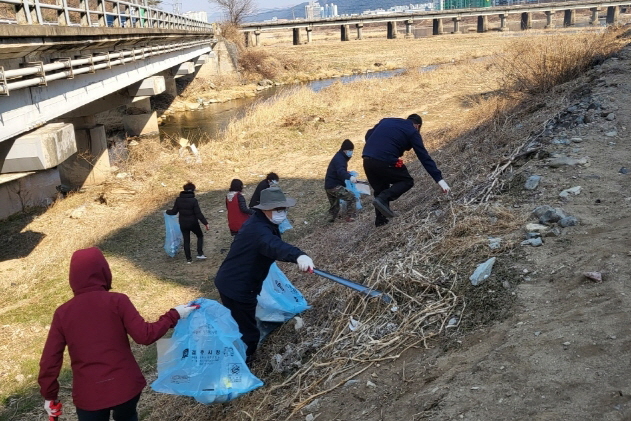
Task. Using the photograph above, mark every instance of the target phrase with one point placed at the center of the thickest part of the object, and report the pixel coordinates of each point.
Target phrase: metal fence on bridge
(91, 13)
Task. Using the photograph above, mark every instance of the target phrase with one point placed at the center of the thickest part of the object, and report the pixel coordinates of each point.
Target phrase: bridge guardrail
(107, 13)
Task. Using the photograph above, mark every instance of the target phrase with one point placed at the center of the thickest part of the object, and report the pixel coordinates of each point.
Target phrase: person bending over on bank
(271, 180)
(94, 324)
(238, 212)
(188, 208)
(388, 176)
(335, 183)
(257, 245)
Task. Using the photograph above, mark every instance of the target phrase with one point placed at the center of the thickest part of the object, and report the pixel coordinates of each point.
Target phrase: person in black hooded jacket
(335, 182)
(188, 208)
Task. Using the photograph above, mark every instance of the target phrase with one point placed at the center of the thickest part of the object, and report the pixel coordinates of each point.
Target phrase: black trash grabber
(373, 293)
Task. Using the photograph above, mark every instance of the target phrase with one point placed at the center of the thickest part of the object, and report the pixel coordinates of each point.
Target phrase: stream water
(214, 118)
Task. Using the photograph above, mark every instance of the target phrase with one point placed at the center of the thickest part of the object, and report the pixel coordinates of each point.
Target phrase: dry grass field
(473, 120)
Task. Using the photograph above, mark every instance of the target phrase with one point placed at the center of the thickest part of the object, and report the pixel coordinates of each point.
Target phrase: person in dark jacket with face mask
(271, 180)
(256, 246)
(95, 325)
(335, 182)
(188, 208)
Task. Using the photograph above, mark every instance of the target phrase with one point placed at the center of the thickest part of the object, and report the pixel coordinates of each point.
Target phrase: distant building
(201, 16)
(329, 11)
(313, 10)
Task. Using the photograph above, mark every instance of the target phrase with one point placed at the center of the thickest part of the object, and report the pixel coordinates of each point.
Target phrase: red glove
(398, 164)
(53, 409)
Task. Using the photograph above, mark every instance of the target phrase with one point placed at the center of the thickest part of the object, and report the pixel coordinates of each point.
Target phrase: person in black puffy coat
(187, 207)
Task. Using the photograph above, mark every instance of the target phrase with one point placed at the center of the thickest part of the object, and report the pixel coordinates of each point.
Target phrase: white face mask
(278, 216)
(273, 182)
(348, 153)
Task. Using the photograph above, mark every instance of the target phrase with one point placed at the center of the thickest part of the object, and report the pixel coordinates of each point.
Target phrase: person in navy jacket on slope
(388, 176)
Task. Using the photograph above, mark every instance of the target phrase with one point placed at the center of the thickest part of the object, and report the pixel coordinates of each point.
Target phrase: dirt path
(564, 353)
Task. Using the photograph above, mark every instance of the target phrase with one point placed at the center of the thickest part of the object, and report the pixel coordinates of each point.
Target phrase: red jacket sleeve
(52, 360)
(143, 332)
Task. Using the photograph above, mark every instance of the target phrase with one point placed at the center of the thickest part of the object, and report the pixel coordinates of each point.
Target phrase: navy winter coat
(188, 208)
(391, 137)
(257, 245)
(337, 172)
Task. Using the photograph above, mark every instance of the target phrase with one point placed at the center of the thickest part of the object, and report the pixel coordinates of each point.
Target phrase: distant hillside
(344, 7)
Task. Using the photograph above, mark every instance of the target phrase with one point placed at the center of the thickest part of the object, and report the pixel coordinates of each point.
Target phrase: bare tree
(236, 10)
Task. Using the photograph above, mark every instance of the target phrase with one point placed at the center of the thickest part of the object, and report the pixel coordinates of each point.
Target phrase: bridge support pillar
(456, 25)
(140, 120)
(248, 38)
(344, 33)
(392, 29)
(437, 26)
(569, 17)
(503, 23)
(359, 27)
(526, 21)
(296, 36)
(483, 23)
(612, 14)
(594, 18)
(549, 16)
(169, 83)
(90, 165)
(409, 28)
(257, 38)
(309, 35)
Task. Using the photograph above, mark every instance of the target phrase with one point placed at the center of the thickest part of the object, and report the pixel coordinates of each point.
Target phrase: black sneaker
(189, 261)
(383, 208)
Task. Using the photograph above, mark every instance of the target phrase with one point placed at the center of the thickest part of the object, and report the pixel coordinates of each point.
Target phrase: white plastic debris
(299, 323)
(482, 272)
(353, 325)
(567, 192)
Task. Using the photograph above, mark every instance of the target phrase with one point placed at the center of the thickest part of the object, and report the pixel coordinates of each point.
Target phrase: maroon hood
(89, 271)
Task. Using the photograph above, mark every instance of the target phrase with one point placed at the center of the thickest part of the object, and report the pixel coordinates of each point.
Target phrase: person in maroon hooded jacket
(94, 324)
(238, 211)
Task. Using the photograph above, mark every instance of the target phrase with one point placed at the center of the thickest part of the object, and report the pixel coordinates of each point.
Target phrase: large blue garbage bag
(173, 239)
(351, 187)
(205, 357)
(279, 300)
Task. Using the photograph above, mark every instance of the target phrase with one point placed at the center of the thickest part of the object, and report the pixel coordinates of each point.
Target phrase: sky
(211, 9)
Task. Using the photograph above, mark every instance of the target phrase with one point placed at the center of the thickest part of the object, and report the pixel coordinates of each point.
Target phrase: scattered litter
(623, 170)
(299, 323)
(394, 309)
(535, 242)
(453, 322)
(567, 192)
(566, 343)
(537, 333)
(594, 276)
(475, 388)
(353, 325)
(495, 243)
(370, 384)
(482, 272)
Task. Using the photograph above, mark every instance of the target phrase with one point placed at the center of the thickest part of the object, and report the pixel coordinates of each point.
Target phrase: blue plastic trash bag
(205, 357)
(279, 300)
(284, 226)
(173, 239)
(351, 187)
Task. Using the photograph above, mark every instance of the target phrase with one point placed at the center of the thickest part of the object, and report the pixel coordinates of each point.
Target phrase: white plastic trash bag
(173, 239)
(205, 357)
(279, 300)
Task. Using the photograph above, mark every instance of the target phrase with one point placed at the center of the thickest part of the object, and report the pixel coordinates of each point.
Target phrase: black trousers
(123, 412)
(186, 233)
(388, 183)
(245, 316)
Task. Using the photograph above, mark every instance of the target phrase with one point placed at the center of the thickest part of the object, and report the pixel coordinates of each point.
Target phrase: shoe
(201, 257)
(383, 208)
(189, 261)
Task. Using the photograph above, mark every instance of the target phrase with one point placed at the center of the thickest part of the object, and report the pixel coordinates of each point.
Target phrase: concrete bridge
(61, 64)
(523, 12)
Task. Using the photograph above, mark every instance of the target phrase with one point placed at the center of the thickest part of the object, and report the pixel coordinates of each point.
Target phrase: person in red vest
(238, 212)
(95, 325)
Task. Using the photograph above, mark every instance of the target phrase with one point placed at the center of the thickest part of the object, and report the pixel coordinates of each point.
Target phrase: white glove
(185, 309)
(443, 185)
(353, 179)
(305, 263)
(53, 409)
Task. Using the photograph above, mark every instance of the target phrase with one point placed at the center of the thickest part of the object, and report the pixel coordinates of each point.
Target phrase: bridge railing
(99, 13)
